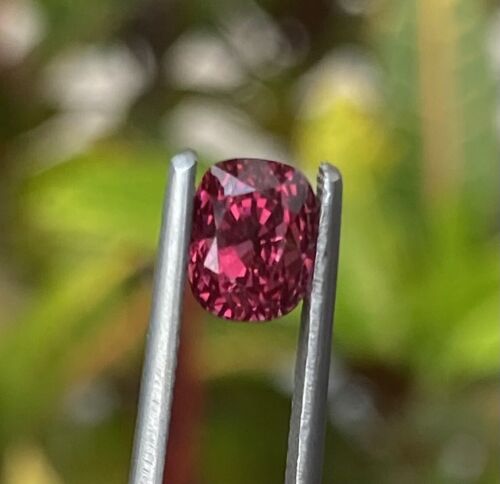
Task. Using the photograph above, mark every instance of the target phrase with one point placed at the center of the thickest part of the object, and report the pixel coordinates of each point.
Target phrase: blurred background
(95, 95)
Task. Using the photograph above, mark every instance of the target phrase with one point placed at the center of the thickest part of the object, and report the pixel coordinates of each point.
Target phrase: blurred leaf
(36, 348)
(440, 90)
(231, 349)
(236, 431)
(93, 453)
(346, 133)
(441, 93)
(107, 196)
(28, 464)
(472, 348)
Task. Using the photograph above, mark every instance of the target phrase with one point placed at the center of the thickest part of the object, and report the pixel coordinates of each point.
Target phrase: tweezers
(309, 402)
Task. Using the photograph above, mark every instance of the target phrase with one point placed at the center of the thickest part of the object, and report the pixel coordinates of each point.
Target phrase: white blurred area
(65, 135)
(92, 87)
(203, 61)
(346, 73)
(219, 131)
(94, 78)
(247, 45)
(257, 40)
(357, 7)
(463, 458)
(22, 27)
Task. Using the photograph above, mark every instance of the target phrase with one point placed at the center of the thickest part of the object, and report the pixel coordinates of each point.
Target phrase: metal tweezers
(308, 416)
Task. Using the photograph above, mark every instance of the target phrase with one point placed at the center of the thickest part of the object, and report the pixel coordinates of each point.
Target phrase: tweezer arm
(307, 425)
(160, 360)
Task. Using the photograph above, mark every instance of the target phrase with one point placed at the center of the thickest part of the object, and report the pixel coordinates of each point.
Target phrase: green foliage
(112, 195)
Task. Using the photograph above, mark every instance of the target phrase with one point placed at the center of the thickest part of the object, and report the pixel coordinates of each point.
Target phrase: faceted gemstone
(253, 242)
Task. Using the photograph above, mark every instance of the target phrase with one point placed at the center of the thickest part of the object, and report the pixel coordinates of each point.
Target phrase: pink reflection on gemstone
(253, 243)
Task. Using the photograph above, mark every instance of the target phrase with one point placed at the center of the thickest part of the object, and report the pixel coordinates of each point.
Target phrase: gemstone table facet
(253, 240)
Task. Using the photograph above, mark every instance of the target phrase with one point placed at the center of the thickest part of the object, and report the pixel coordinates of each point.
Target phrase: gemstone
(253, 242)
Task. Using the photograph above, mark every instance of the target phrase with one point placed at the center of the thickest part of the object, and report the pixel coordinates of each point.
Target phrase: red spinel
(253, 244)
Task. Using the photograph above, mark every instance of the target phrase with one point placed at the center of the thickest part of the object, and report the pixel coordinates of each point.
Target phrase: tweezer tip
(184, 160)
(329, 179)
(329, 173)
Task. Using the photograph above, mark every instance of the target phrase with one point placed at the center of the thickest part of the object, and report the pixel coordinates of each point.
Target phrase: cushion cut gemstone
(253, 240)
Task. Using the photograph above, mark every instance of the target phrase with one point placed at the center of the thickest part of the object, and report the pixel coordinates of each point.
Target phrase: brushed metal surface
(308, 417)
(160, 360)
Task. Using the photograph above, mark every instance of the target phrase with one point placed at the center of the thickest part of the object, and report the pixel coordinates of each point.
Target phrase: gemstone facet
(253, 242)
